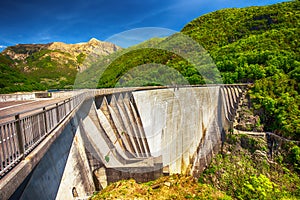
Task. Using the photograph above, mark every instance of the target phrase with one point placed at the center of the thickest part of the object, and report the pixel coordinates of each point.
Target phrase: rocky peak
(78, 56)
(93, 46)
(94, 40)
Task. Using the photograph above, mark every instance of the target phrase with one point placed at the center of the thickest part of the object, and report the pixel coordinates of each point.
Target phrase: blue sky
(73, 21)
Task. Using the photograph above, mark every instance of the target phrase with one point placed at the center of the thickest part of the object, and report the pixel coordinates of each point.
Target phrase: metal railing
(19, 136)
(21, 133)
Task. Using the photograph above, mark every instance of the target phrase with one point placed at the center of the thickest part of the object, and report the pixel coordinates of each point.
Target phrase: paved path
(7, 104)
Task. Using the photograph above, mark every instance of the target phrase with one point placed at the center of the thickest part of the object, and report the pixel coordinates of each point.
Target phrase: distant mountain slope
(227, 26)
(12, 79)
(159, 61)
(52, 65)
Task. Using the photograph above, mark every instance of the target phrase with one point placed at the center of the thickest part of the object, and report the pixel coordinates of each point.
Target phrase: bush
(295, 157)
(259, 187)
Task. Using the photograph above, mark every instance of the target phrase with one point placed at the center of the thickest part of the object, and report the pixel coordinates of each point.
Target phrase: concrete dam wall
(139, 134)
(175, 122)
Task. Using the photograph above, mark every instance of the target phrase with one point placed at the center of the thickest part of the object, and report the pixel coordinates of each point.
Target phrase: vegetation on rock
(245, 169)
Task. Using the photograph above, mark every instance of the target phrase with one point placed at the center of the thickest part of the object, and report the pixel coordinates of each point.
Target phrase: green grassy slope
(39, 71)
(12, 79)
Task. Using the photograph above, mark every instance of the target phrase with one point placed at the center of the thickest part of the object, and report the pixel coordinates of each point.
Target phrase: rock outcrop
(93, 46)
(22, 51)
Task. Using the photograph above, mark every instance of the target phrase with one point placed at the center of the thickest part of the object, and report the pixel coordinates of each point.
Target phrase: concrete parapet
(16, 97)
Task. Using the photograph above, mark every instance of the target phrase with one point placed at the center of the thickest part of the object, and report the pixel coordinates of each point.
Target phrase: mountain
(44, 66)
(246, 44)
(159, 61)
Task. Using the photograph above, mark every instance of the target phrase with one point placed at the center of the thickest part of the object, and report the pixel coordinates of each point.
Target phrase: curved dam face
(176, 121)
(134, 134)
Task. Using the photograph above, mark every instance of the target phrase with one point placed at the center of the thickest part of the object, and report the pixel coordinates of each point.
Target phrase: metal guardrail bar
(18, 137)
(31, 110)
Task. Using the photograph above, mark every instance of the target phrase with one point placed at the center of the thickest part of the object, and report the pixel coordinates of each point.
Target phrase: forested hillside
(250, 45)
(260, 45)
(12, 80)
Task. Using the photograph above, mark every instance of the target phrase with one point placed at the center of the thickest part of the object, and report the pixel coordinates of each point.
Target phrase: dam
(102, 136)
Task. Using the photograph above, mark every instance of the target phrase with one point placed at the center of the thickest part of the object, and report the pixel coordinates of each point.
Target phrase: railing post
(57, 113)
(65, 107)
(45, 119)
(70, 109)
(20, 136)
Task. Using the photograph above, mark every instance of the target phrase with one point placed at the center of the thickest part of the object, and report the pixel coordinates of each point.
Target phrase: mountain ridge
(22, 51)
(51, 65)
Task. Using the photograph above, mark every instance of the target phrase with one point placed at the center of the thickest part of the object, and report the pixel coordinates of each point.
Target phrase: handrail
(18, 137)
(33, 109)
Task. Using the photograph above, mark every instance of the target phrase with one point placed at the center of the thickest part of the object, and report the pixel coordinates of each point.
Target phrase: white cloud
(2, 46)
